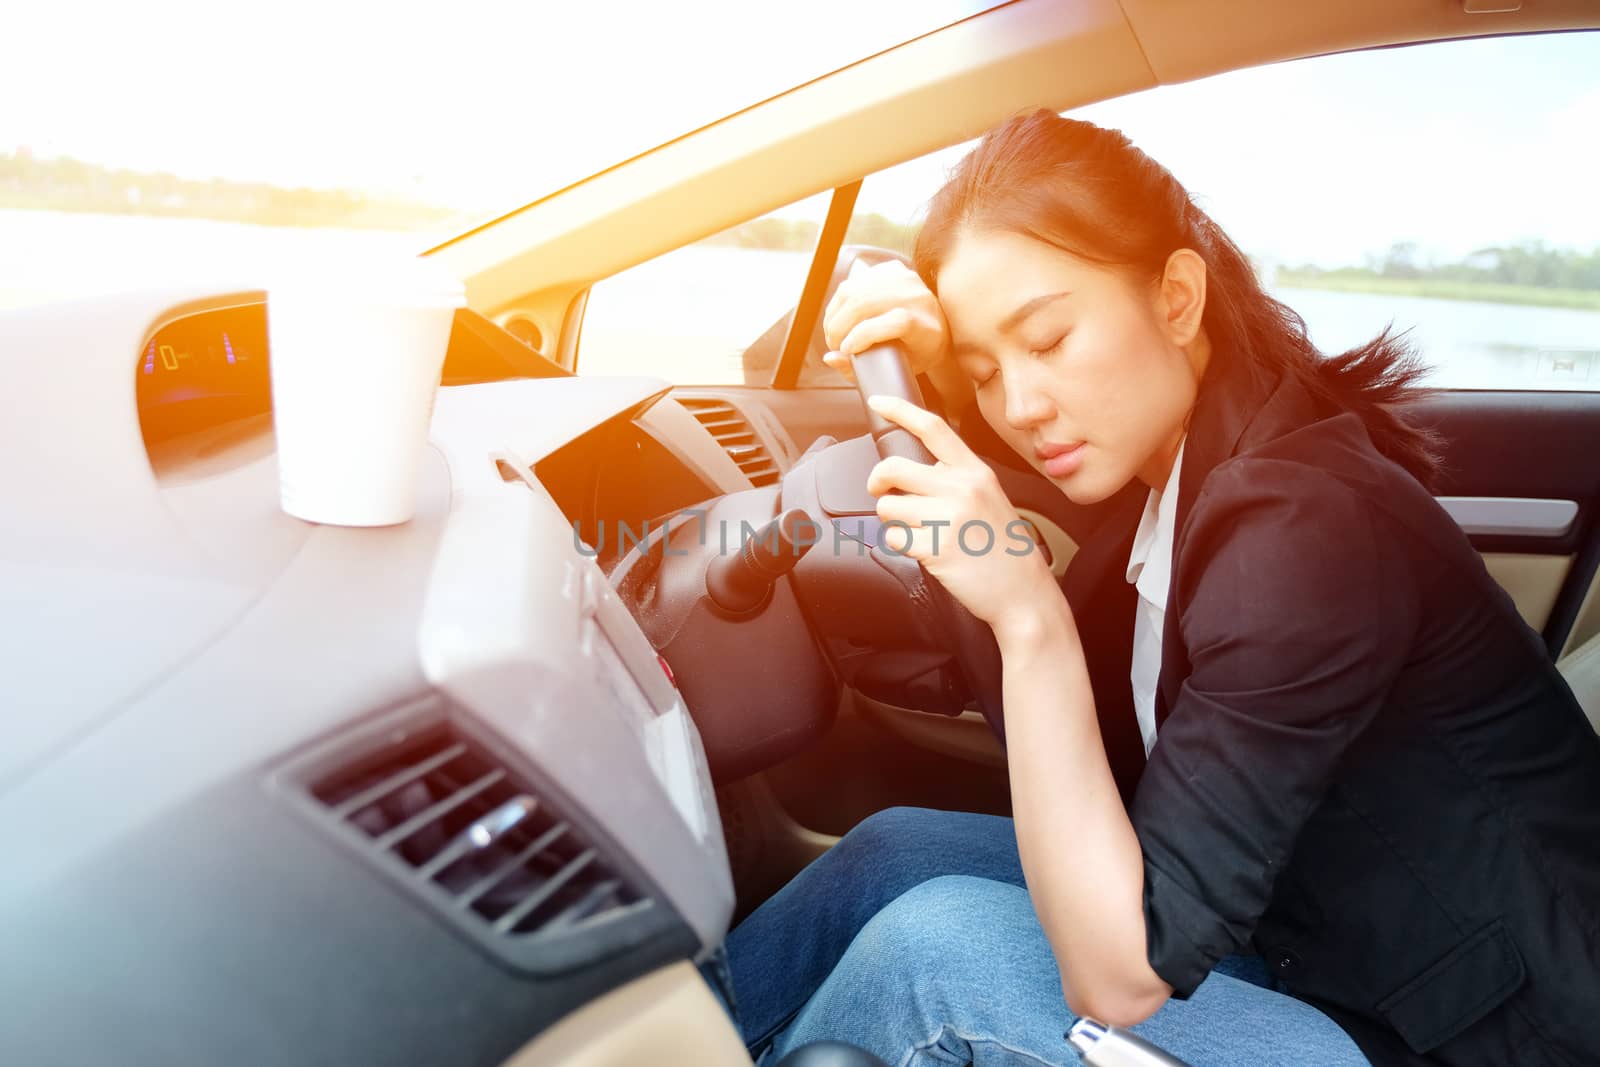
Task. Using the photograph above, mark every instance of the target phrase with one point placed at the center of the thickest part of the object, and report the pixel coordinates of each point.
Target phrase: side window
(1446, 188)
(711, 313)
(1391, 188)
(717, 312)
(884, 224)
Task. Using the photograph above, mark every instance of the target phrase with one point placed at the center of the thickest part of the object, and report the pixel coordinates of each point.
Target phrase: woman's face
(1086, 373)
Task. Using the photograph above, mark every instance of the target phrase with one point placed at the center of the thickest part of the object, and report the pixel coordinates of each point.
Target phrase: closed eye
(1051, 348)
(981, 371)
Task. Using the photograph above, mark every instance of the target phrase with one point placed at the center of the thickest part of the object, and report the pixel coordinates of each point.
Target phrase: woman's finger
(849, 310)
(836, 318)
(918, 541)
(866, 292)
(889, 326)
(914, 510)
(934, 537)
(927, 427)
(906, 476)
(840, 364)
(898, 539)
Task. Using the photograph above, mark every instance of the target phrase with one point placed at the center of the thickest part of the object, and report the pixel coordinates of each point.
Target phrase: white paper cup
(356, 351)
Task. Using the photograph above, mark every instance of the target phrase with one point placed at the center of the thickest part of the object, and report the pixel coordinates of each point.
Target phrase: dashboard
(205, 369)
(279, 792)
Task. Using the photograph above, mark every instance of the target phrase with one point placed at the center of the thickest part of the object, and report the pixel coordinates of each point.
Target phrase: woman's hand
(955, 520)
(1093, 913)
(884, 302)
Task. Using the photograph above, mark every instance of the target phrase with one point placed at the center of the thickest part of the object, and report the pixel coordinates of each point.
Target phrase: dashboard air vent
(440, 811)
(735, 434)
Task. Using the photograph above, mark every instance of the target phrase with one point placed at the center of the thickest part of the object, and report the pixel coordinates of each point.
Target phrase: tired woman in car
(1292, 781)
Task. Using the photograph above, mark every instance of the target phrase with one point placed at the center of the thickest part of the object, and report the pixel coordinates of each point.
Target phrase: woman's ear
(1182, 301)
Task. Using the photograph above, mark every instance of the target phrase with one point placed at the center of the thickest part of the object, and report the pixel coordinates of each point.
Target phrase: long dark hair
(1090, 192)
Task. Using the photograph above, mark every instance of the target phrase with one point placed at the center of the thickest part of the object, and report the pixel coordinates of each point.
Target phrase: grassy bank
(28, 184)
(1439, 289)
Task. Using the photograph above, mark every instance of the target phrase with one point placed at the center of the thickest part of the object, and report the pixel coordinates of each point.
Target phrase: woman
(1292, 781)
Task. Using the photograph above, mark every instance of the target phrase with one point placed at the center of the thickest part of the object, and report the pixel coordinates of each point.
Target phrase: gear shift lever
(1108, 1046)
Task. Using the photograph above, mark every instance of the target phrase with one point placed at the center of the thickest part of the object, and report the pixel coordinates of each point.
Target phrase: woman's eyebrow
(1017, 317)
(1010, 322)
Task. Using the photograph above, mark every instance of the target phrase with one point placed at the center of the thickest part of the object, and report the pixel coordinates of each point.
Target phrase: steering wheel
(884, 370)
(855, 614)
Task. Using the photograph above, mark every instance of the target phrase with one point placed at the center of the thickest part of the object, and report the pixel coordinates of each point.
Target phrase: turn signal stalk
(741, 581)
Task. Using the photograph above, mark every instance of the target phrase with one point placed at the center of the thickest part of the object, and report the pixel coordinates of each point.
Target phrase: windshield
(364, 125)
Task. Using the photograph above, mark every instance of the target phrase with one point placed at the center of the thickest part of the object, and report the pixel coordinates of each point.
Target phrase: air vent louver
(441, 811)
(736, 436)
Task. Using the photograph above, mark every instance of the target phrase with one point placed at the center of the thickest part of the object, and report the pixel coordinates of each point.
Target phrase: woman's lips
(1060, 460)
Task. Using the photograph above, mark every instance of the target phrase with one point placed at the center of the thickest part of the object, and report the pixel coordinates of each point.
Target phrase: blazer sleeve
(1296, 615)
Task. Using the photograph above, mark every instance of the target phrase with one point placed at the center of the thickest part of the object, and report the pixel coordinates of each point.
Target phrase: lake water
(1469, 345)
(689, 315)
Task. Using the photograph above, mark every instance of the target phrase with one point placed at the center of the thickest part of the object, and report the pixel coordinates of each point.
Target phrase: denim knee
(953, 961)
(947, 931)
(891, 837)
(785, 950)
(885, 829)
(934, 841)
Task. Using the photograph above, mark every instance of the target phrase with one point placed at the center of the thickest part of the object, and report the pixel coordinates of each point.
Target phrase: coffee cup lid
(381, 280)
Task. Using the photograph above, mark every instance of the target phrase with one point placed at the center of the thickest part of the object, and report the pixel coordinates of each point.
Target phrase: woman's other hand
(884, 302)
(955, 520)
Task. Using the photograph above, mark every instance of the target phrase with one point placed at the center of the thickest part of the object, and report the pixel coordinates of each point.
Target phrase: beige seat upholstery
(1581, 668)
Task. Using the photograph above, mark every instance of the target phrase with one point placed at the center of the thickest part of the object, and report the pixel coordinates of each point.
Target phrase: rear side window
(1448, 189)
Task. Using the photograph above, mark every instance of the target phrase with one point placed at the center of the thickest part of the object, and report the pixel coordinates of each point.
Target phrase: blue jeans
(914, 938)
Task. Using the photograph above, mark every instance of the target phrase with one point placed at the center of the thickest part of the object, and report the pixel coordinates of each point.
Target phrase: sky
(1455, 146)
(477, 101)
(485, 104)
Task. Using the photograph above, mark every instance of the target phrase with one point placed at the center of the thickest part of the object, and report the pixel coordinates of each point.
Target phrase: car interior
(484, 787)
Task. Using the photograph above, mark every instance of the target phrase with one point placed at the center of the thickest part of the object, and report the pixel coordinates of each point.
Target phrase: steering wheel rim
(884, 370)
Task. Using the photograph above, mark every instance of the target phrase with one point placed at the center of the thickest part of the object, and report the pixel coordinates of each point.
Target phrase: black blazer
(1366, 764)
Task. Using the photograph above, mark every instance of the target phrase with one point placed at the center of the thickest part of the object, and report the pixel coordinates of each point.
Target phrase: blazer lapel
(1239, 403)
(1238, 406)
(1097, 586)
(1103, 603)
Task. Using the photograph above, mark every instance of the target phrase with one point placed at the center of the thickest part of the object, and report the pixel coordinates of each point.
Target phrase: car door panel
(1528, 447)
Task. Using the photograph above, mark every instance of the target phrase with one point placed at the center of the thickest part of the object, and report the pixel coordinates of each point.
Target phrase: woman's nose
(1026, 405)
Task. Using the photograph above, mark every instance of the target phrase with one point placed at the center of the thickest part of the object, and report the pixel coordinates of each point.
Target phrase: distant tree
(881, 232)
(1401, 261)
(800, 235)
(73, 185)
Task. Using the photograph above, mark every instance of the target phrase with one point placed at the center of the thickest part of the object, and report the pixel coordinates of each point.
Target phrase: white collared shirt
(1150, 571)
